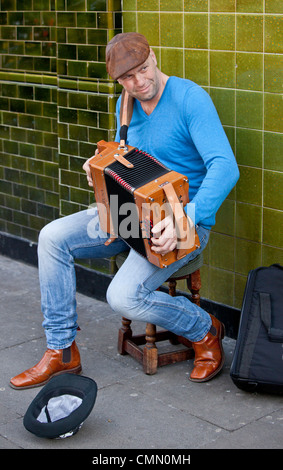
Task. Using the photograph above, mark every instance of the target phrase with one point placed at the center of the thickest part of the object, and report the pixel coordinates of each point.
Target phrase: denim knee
(50, 237)
(122, 302)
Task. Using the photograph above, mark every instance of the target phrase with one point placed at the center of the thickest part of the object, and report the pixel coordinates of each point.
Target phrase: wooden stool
(149, 356)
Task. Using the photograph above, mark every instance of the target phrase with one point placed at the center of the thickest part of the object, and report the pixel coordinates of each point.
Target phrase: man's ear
(153, 56)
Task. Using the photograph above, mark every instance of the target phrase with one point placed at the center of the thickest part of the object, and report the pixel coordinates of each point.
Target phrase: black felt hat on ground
(61, 407)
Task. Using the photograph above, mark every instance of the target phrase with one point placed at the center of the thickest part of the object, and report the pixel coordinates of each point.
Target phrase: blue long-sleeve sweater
(184, 132)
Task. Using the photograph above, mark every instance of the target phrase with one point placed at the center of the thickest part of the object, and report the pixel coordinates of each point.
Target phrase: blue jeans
(132, 292)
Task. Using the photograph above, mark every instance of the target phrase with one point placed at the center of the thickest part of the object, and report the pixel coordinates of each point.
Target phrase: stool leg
(194, 285)
(124, 333)
(150, 352)
(172, 287)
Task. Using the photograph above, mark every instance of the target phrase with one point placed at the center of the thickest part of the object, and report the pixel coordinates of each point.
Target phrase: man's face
(142, 82)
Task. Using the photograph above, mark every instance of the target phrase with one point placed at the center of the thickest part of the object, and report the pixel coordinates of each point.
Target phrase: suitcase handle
(274, 334)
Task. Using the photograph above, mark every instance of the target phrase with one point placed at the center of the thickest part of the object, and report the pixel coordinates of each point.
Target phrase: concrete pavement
(132, 410)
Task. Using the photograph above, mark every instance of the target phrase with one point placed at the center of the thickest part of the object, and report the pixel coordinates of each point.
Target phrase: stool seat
(186, 270)
(148, 355)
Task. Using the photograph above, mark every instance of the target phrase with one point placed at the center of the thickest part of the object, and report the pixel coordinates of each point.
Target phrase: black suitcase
(257, 364)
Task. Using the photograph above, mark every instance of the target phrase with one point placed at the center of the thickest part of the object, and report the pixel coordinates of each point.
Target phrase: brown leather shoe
(209, 354)
(53, 362)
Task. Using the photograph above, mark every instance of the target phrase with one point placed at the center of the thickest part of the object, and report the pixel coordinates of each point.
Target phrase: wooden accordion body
(132, 176)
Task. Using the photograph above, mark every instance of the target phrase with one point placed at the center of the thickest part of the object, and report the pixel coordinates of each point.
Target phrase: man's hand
(164, 237)
(86, 168)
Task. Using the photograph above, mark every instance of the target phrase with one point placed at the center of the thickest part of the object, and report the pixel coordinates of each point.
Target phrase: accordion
(133, 192)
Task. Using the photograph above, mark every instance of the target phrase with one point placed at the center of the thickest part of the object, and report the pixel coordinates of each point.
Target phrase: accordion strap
(126, 111)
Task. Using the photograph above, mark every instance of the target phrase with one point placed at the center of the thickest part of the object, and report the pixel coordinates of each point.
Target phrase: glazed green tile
(97, 36)
(15, 18)
(271, 255)
(249, 33)
(4, 47)
(9, 62)
(248, 256)
(273, 34)
(97, 5)
(172, 62)
(77, 69)
(240, 285)
(11, 147)
(69, 177)
(86, 53)
(8, 32)
(225, 218)
(87, 118)
(249, 147)
(148, 25)
(68, 115)
(16, 47)
(105, 20)
(97, 70)
(68, 147)
(171, 29)
(33, 107)
(17, 105)
(249, 109)
(249, 71)
(224, 101)
(196, 30)
(40, 4)
(249, 222)
(249, 185)
(221, 286)
(78, 100)
(89, 86)
(95, 135)
(273, 151)
(48, 18)
(151, 5)
(221, 253)
(67, 51)
(66, 19)
(196, 66)
(75, 5)
(130, 22)
(98, 103)
(18, 135)
(26, 121)
(273, 6)
(129, 5)
(76, 36)
(51, 169)
(196, 5)
(273, 112)
(79, 196)
(273, 227)
(222, 69)
(34, 137)
(272, 189)
(273, 66)
(171, 5)
(222, 5)
(4, 18)
(4, 132)
(222, 31)
(31, 18)
(250, 6)
(78, 133)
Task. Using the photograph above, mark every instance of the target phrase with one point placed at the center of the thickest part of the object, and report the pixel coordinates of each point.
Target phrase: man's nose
(140, 80)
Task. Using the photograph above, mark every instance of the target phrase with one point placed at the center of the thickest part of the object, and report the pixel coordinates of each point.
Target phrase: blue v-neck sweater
(184, 132)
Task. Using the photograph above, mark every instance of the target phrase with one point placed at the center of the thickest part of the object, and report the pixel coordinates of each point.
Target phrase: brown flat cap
(125, 52)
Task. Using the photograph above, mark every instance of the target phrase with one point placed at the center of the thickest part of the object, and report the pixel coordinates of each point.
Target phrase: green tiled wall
(57, 101)
(234, 50)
